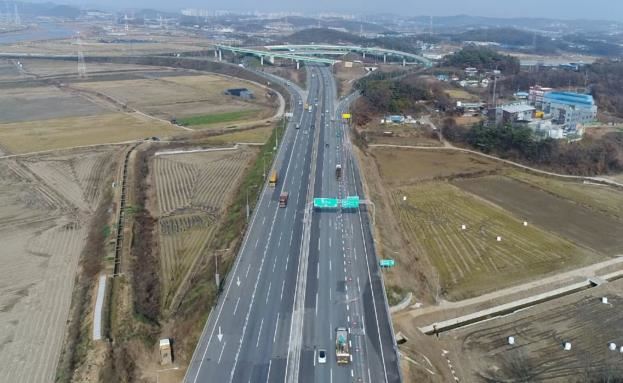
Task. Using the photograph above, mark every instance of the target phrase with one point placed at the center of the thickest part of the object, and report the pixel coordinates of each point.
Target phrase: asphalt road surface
(301, 272)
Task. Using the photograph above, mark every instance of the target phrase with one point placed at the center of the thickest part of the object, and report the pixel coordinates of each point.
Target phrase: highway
(301, 273)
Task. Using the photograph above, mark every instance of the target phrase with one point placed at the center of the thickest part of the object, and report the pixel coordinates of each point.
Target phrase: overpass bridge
(272, 55)
(373, 51)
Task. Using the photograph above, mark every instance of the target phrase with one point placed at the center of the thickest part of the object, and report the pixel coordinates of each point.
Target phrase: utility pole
(248, 210)
(217, 277)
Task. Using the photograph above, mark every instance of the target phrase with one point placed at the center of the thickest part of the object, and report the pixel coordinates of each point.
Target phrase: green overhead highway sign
(326, 203)
(351, 202)
(387, 263)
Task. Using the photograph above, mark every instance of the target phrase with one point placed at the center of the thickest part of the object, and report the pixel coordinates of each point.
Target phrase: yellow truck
(272, 181)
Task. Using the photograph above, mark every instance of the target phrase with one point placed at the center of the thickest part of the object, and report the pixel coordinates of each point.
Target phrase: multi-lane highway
(301, 273)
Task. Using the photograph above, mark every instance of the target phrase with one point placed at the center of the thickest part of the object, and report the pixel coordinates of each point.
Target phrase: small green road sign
(326, 203)
(351, 202)
(387, 263)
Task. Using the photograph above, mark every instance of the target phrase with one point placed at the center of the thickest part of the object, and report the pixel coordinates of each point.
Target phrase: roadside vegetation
(216, 118)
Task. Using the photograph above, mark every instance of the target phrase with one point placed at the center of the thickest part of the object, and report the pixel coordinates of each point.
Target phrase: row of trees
(586, 157)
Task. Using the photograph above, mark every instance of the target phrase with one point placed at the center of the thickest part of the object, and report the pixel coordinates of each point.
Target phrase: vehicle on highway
(283, 199)
(272, 181)
(342, 346)
(298, 126)
(322, 356)
(338, 171)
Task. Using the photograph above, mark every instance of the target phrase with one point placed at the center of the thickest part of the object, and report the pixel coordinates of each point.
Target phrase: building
(570, 110)
(512, 113)
(471, 72)
(240, 92)
(536, 94)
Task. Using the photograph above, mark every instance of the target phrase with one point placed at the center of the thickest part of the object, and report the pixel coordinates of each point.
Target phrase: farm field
(32, 136)
(471, 262)
(576, 223)
(60, 67)
(43, 103)
(405, 166)
(537, 355)
(600, 198)
(257, 135)
(192, 192)
(159, 44)
(183, 96)
(46, 203)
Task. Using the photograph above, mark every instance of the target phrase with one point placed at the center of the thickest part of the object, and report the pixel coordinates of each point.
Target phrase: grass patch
(216, 118)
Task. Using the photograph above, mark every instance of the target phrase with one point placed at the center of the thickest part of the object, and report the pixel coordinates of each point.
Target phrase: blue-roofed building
(570, 110)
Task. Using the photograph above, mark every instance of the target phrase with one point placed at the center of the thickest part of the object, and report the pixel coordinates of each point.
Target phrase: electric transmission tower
(82, 66)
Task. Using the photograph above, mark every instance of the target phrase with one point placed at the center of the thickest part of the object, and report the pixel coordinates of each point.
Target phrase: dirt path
(584, 272)
(516, 164)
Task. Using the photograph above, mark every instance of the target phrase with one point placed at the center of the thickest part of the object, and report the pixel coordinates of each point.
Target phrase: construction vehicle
(283, 199)
(338, 171)
(272, 181)
(342, 346)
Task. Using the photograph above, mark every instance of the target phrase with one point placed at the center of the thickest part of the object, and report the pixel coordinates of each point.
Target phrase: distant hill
(47, 10)
(324, 35)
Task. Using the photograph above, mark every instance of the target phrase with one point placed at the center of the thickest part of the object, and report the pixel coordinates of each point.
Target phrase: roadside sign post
(387, 263)
(350, 202)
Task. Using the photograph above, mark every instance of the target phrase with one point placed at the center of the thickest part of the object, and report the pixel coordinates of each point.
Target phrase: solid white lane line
(270, 362)
(276, 327)
(268, 292)
(316, 303)
(236, 307)
(221, 354)
(259, 335)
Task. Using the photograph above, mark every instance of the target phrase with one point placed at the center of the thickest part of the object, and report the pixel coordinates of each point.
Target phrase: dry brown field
(45, 207)
(183, 96)
(43, 103)
(471, 262)
(192, 192)
(581, 225)
(46, 68)
(405, 134)
(539, 332)
(33, 136)
(405, 166)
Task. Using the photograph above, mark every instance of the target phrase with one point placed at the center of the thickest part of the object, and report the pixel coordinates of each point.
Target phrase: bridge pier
(271, 59)
(220, 55)
(404, 62)
(298, 65)
(364, 55)
(215, 53)
(262, 60)
(384, 59)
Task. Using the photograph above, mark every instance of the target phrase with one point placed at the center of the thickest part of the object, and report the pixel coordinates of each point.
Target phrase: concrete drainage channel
(509, 308)
(121, 220)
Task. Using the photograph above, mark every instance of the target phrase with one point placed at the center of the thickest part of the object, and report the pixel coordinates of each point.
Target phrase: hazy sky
(564, 9)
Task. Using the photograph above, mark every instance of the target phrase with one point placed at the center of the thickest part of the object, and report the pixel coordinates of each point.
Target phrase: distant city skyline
(552, 9)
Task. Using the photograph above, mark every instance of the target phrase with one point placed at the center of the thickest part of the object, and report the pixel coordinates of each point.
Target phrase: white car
(322, 356)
